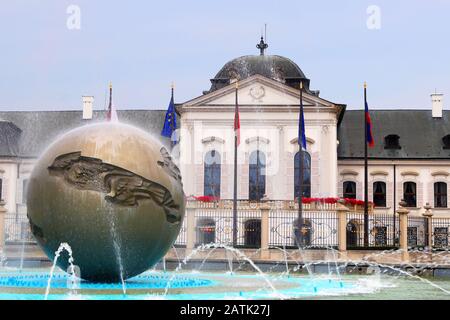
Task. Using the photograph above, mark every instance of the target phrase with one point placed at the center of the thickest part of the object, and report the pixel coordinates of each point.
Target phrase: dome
(270, 66)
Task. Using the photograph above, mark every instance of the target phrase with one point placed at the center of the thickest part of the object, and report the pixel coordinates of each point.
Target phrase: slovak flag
(237, 122)
(370, 141)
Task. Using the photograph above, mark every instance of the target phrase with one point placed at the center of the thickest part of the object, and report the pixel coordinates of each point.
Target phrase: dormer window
(392, 141)
(446, 142)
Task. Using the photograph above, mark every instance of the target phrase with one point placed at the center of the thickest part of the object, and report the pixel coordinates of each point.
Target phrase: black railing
(182, 236)
(318, 230)
(17, 229)
(216, 226)
(382, 234)
(440, 233)
(417, 232)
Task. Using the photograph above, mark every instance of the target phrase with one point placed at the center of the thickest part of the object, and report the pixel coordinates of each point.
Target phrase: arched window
(352, 234)
(206, 231)
(257, 176)
(379, 194)
(349, 190)
(1, 189)
(212, 174)
(409, 194)
(252, 233)
(440, 195)
(305, 230)
(306, 175)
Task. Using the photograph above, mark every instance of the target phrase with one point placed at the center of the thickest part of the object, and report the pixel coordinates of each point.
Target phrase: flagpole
(172, 117)
(300, 182)
(235, 177)
(366, 175)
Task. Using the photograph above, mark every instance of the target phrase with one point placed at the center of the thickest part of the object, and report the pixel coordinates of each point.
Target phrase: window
(1, 189)
(392, 142)
(349, 190)
(305, 232)
(212, 174)
(440, 195)
(206, 231)
(409, 194)
(257, 176)
(306, 175)
(24, 190)
(446, 142)
(379, 194)
(252, 233)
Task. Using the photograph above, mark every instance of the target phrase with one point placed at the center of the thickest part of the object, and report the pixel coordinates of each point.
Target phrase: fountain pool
(31, 284)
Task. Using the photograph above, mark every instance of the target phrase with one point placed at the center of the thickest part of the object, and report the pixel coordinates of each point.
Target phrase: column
(279, 190)
(2, 224)
(190, 227)
(341, 212)
(265, 231)
(403, 227)
(428, 215)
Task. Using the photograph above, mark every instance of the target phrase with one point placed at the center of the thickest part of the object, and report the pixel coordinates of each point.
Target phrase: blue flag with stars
(170, 122)
(301, 123)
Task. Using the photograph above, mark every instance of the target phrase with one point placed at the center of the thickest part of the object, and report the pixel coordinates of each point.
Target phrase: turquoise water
(32, 284)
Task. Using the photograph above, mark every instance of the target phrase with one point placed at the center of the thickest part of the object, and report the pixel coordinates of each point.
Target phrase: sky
(50, 58)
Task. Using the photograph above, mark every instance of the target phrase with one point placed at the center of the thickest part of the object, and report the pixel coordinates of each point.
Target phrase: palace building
(410, 159)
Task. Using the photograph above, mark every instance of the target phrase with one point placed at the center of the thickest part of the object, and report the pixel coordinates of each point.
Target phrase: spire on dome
(262, 46)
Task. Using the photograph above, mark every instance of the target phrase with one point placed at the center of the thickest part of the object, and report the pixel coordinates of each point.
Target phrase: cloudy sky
(142, 46)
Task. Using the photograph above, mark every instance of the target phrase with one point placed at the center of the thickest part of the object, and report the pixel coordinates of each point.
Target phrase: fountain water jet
(62, 247)
(238, 253)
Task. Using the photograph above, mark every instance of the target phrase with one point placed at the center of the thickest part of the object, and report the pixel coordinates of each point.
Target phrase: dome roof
(275, 67)
(270, 66)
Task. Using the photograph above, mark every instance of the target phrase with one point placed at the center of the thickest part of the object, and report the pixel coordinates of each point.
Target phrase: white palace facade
(410, 159)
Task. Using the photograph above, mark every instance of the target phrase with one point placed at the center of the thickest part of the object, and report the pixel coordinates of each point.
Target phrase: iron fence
(182, 236)
(440, 233)
(216, 226)
(417, 232)
(318, 230)
(382, 231)
(17, 229)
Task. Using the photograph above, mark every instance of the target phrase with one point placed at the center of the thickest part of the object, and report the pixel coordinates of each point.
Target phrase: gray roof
(28, 133)
(420, 134)
(9, 139)
(270, 66)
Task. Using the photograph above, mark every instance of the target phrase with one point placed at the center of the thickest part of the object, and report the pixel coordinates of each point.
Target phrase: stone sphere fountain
(111, 192)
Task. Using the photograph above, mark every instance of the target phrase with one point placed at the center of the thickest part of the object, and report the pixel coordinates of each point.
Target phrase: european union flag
(301, 125)
(170, 122)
